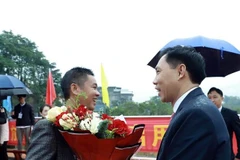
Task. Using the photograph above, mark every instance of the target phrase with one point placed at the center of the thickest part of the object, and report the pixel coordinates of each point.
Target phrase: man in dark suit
(193, 133)
(46, 141)
(231, 117)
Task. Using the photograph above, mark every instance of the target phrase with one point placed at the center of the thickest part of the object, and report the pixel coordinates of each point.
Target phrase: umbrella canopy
(221, 57)
(10, 85)
(7, 82)
(15, 91)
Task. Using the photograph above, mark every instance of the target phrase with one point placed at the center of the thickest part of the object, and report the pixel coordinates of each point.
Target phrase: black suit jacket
(197, 131)
(233, 125)
(47, 143)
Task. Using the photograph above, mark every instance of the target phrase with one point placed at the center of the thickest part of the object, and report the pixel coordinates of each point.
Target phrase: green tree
(232, 102)
(127, 109)
(151, 107)
(21, 58)
(156, 107)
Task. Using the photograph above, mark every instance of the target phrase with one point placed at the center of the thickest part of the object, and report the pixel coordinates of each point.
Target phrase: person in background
(193, 133)
(24, 115)
(230, 117)
(44, 111)
(4, 131)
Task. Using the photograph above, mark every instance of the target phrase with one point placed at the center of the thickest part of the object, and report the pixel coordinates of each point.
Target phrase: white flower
(53, 113)
(68, 121)
(64, 108)
(95, 114)
(85, 124)
(91, 123)
(94, 124)
(121, 117)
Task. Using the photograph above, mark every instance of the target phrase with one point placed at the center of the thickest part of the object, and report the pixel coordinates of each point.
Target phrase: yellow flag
(105, 96)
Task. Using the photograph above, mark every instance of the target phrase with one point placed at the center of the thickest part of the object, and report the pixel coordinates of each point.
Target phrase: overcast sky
(123, 35)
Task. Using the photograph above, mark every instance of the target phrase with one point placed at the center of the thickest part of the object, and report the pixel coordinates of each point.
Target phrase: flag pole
(105, 95)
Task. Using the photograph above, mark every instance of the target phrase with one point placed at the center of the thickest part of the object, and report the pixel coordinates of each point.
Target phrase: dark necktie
(173, 114)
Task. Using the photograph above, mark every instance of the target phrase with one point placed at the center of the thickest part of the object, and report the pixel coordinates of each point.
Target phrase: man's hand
(236, 158)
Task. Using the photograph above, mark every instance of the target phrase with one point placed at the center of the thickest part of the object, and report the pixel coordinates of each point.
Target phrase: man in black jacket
(24, 115)
(231, 118)
(4, 131)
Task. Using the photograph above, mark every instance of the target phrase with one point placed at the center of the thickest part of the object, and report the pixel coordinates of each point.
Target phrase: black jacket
(47, 143)
(233, 125)
(27, 115)
(3, 116)
(196, 132)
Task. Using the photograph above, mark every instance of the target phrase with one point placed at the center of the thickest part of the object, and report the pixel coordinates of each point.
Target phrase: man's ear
(74, 88)
(181, 70)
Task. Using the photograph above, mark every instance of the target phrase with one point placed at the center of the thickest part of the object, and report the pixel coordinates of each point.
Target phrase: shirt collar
(220, 109)
(179, 101)
(22, 104)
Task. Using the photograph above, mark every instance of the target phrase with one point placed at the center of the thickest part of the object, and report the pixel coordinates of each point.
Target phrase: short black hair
(187, 55)
(76, 75)
(22, 95)
(41, 108)
(219, 91)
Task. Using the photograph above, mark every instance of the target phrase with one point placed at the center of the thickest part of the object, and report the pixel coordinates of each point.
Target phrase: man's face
(21, 100)
(166, 81)
(216, 98)
(92, 94)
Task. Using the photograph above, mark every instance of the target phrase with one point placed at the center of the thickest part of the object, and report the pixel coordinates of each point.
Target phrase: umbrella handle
(222, 52)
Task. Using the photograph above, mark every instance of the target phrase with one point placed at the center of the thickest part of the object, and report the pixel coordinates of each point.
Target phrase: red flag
(50, 92)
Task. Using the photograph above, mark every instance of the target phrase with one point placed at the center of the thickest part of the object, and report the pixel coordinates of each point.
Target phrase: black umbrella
(221, 57)
(15, 91)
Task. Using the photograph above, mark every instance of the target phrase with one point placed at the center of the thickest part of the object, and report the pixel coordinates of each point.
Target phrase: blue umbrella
(221, 57)
(9, 82)
(10, 85)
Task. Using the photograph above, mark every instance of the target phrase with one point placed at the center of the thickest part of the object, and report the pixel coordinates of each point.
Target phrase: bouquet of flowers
(95, 137)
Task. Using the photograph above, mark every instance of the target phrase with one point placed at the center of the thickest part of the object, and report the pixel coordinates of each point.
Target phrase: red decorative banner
(155, 128)
(12, 133)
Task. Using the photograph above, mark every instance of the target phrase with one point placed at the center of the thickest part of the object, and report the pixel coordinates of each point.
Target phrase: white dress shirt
(179, 101)
(220, 109)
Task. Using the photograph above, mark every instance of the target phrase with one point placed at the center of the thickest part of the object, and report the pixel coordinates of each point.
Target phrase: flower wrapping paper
(87, 146)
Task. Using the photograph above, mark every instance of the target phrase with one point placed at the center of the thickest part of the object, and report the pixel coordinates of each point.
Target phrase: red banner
(155, 128)
(12, 133)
